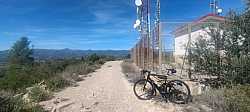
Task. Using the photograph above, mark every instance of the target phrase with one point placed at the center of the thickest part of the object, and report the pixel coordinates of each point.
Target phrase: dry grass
(235, 99)
(131, 72)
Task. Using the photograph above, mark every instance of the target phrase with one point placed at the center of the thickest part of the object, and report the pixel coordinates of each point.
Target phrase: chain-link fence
(169, 45)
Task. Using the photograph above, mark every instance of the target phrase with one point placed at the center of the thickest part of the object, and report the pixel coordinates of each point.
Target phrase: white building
(194, 29)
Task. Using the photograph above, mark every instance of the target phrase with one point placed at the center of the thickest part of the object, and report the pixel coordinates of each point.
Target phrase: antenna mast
(158, 12)
(214, 7)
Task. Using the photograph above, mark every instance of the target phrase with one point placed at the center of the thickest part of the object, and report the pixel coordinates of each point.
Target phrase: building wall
(181, 43)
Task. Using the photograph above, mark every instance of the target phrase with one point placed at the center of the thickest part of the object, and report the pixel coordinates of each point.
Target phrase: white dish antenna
(219, 11)
(137, 23)
(135, 26)
(138, 3)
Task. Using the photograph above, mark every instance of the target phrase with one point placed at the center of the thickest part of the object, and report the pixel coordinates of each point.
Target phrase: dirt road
(106, 90)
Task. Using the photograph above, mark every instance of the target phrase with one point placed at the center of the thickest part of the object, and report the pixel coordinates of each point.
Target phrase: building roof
(198, 24)
(210, 15)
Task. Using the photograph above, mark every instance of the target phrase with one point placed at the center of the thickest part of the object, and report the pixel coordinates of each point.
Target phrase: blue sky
(88, 24)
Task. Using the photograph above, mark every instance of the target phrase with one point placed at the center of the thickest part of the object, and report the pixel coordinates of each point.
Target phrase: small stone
(56, 101)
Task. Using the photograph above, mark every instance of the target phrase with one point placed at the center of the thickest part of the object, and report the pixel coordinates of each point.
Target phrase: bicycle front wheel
(179, 92)
(143, 89)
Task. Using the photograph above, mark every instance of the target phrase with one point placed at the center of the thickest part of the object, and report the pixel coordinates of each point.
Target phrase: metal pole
(187, 47)
(159, 36)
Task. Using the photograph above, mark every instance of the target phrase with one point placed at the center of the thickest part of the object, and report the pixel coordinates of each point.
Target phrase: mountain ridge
(45, 54)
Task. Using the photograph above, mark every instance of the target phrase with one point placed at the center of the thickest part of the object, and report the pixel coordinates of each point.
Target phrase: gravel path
(106, 90)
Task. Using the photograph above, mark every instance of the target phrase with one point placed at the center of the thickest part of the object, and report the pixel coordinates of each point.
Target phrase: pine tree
(21, 53)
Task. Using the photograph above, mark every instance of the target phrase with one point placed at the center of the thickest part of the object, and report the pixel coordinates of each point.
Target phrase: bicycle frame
(168, 89)
(155, 86)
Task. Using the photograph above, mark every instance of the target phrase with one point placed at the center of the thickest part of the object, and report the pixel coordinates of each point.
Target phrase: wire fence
(168, 45)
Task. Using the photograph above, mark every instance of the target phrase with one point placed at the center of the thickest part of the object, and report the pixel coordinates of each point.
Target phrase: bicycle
(169, 90)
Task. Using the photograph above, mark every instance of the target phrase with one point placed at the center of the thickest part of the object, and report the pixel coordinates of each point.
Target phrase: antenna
(158, 13)
(214, 7)
(138, 3)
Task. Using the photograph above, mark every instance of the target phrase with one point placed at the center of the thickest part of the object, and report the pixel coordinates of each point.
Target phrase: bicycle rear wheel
(143, 89)
(179, 92)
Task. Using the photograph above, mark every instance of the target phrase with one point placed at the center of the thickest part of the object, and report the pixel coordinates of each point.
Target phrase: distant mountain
(44, 54)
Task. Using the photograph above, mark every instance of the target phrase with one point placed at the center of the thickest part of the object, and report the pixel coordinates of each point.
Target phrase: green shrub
(235, 99)
(57, 83)
(101, 61)
(17, 78)
(81, 69)
(93, 58)
(213, 98)
(37, 93)
(9, 103)
(238, 70)
(2, 72)
(238, 98)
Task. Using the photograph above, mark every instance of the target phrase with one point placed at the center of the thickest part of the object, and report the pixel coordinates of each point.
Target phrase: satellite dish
(135, 26)
(138, 3)
(138, 22)
(220, 11)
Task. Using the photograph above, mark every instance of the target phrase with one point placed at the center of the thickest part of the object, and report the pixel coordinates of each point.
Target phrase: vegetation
(226, 53)
(11, 103)
(130, 70)
(23, 75)
(234, 99)
(226, 56)
(38, 93)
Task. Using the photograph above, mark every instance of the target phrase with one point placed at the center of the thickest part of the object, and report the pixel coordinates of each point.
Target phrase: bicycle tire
(149, 93)
(173, 94)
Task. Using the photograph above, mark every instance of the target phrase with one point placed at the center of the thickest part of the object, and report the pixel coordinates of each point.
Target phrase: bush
(57, 83)
(128, 67)
(214, 99)
(9, 103)
(238, 70)
(235, 99)
(93, 58)
(238, 98)
(17, 78)
(2, 72)
(130, 71)
(81, 69)
(37, 93)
